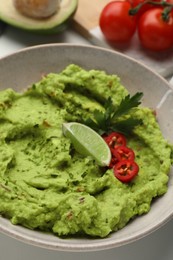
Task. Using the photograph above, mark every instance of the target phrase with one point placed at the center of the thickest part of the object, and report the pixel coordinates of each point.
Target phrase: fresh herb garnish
(113, 118)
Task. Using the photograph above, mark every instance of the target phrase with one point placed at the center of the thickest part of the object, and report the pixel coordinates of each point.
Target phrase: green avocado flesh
(46, 185)
(53, 24)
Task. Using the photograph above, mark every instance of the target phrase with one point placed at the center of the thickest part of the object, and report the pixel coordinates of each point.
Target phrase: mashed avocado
(45, 184)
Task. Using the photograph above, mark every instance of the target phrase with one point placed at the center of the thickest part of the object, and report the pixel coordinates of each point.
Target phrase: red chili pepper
(125, 170)
(114, 160)
(115, 139)
(123, 153)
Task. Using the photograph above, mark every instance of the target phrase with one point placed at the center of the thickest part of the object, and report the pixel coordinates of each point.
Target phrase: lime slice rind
(87, 142)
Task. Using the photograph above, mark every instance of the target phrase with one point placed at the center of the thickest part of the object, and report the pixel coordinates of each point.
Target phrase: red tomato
(125, 170)
(115, 22)
(155, 33)
(115, 139)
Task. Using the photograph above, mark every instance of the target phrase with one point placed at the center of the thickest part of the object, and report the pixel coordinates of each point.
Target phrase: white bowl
(25, 67)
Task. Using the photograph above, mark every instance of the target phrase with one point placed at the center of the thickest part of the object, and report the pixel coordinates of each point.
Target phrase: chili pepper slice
(116, 157)
(115, 139)
(125, 170)
(123, 153)
(114, 160)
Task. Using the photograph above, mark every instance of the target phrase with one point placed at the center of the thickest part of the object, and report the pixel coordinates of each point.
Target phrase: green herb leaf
(110, 120)
(127, 104)
(126, 126)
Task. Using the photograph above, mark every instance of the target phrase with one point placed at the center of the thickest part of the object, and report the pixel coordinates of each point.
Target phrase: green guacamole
(46, 185)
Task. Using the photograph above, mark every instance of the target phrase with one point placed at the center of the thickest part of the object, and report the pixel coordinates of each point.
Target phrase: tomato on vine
(115, 22)
(155, 32)
(152, 18)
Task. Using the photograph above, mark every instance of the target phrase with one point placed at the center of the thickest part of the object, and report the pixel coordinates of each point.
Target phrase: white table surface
(156, 246)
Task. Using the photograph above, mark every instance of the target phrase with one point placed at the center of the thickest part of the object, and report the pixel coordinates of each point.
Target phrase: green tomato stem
(134, 11)
(166, 13)
(168, 7)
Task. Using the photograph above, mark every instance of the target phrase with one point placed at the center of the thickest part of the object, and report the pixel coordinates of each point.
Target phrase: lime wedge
(87, 142)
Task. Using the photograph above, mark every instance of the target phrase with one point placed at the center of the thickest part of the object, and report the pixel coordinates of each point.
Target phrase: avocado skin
(53, 30)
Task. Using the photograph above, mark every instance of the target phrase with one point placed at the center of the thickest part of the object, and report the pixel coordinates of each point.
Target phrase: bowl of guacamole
(51, 195)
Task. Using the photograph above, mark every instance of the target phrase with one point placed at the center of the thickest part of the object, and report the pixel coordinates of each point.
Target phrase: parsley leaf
(112, 118)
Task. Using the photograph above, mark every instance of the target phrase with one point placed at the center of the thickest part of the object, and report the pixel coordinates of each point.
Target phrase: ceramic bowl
(26, 66)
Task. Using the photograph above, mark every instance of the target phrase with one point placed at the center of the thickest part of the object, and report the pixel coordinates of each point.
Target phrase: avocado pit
(37, 8)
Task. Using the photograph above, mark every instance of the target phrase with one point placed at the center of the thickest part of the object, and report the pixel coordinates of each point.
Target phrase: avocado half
(56, 23)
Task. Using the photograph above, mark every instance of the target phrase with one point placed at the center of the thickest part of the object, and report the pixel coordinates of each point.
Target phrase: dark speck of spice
(70, 215)
(46, 123)
(81, 200)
